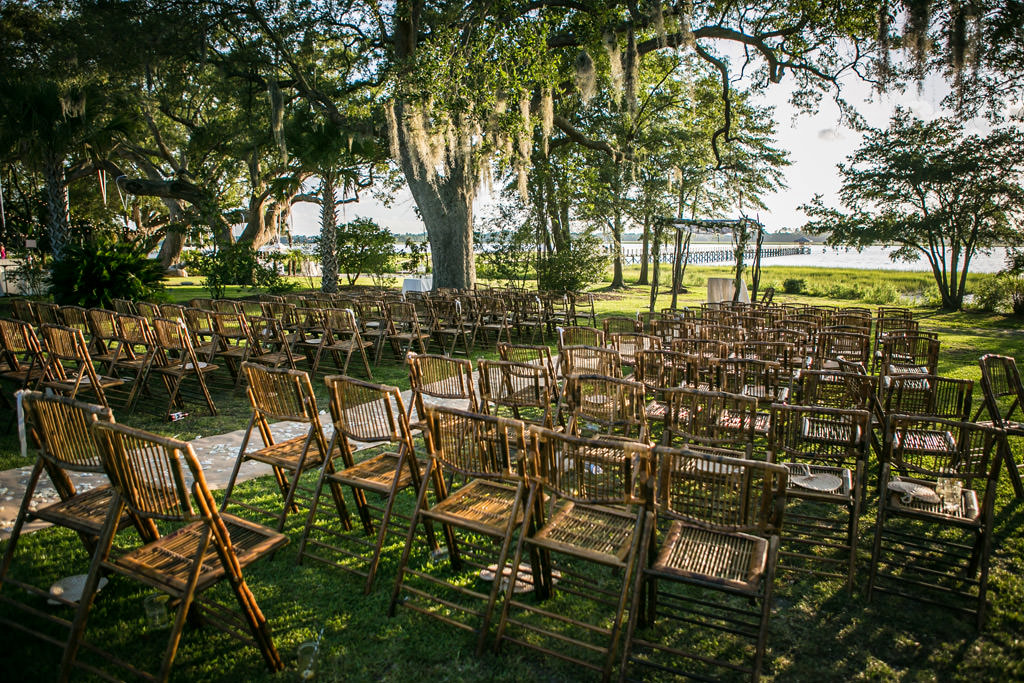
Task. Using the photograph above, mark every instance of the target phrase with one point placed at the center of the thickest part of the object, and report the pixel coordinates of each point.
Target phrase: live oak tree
(932, 190)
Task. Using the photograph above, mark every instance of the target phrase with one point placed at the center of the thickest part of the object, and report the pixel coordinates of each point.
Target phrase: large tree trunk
(444, 196)
(617, 281)
(58, 208)
(645, 252)
(328, 234)
(174, 240)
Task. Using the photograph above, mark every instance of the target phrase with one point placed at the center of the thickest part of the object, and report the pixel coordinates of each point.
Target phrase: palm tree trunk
(58, 207)
(328, 234)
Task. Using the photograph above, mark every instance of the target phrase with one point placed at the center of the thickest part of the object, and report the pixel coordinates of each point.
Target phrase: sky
(816, 143)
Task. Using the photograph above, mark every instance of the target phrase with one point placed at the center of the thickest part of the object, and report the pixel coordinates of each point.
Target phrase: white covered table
(721, 289)
(417, 284)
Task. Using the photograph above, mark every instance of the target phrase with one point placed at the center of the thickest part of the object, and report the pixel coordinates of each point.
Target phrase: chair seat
(480, 505)
(234, 352)
(167, 562)
(85, 512)
(601, 534)
(736, 560)
(286, 454)
(275, 358)
(69, 384)
(968, 511)
(347, 344)
(656, 410)
(927, 441)
(376, 474)
(795, 489)
(179, 368)
(762, 421)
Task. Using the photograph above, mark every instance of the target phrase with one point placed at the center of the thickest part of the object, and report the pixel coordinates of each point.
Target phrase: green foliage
(509, 252)
(999, 294)
(935, 192)
(415, 257)
(238, 264)
(574, 267)
(101, 268)
(363, 246)
(794, 285)
(882, 293)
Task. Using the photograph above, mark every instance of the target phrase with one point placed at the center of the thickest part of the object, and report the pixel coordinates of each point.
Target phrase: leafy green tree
(933, 191)
(364, 247)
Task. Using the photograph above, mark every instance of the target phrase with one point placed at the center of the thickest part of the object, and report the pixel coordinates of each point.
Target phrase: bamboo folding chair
(485, 452)
(370, 414)
(725, 333)
(713, 573)
(672, 329)
(48, 314)
(527, 390)
(498, 316)
(926, 395)
(374, 324)
(25, 311)
(205, 546)
(438, 377)
(232, 342)
(763, 379)
(594, 360)
(834, 345)
(586, 507)
(528, 353)
(175, 360)
(583, 309)
(134, 353)
(453, 327)
(530, 315)
(705, 348)
(619, 324)
(598, 405)
(831, 389)
(407, 329)
(103, 331)
(77, 318)
(629, 344)
(341, 338)
(1004, 402)
(933, 536)
(147, 310)
(657, 370)
(60, 427)
(271, 345)
(579, 336)
(908, 355)
(712, 418)
(199, 322)
(557, 309)
(825, 451)
(281, 394)
(22, 354)
(68, 367)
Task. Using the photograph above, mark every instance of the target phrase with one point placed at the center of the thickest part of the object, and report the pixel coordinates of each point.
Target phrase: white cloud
(830, 134)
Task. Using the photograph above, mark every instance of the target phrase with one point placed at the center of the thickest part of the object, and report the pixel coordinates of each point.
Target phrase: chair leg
(19, 522)
(182, 615)
(410, 537)
(1011, 468)
(506, 543)
(77, 632)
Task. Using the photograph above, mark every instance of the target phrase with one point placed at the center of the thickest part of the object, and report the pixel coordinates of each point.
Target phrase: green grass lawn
(818, 632)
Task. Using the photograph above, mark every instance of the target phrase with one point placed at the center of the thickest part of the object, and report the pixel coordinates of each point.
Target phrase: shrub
(794, 285)
(988, 295)
(508, 253)
(573, 267)
(101, 268)
(841, 290)
(882, 293)
(238, 264)
(363, 246)
(1000, 293)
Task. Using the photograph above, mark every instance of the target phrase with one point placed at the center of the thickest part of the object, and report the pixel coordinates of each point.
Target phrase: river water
(869, 258)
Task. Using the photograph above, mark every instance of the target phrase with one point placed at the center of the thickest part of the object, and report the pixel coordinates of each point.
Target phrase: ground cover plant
(817, 631)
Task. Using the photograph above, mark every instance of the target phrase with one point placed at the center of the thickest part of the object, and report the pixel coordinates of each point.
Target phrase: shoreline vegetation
(817, 631)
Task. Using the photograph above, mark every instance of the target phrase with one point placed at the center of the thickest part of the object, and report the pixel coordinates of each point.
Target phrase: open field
(817, 633)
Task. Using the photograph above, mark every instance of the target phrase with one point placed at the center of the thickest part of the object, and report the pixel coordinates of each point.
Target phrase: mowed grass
(818, 632)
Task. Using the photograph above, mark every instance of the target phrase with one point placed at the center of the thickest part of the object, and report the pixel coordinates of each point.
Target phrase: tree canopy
(932, 190)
